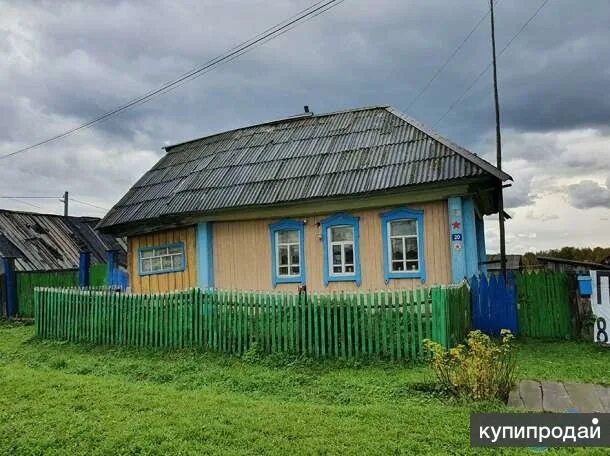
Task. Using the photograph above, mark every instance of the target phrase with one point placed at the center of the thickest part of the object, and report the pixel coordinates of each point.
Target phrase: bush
(481, 370)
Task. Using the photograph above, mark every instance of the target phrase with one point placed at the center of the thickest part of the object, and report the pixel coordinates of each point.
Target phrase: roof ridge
(279, 120)
(44, 214)
(466, 154)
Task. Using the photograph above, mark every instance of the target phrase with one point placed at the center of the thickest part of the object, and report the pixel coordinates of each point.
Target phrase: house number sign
(600, 306)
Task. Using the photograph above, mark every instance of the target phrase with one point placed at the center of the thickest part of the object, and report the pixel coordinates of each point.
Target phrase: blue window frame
(341, 242)
(287, 252)
(161, 259)
(402, 232)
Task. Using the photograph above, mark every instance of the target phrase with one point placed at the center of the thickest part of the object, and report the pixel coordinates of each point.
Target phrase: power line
(272, 32)
(20, 200)
(451, 56)
(88, 204)
(480, 75)
(30, 197)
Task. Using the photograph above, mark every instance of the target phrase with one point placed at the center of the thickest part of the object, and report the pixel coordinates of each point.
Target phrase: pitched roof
(43, 242)
(300, 158)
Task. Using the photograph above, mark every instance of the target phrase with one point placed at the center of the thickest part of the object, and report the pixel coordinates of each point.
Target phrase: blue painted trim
(210, 254)
(401, 214)
(471, 254)
(161, 271)
(481, 250)
(205, 255)
(341, 219)
(456, 247)
(287, 225)
(84, 262)
(10, 285)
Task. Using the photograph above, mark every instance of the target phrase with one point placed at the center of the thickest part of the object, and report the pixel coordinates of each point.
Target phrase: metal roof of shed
(44, 242)
(299, 158)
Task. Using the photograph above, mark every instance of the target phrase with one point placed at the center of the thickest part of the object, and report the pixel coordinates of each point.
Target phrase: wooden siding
(169, 281)
(242, 252)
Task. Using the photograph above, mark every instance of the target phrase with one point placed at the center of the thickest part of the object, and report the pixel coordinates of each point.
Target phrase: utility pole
(498, 146)
(65, 201)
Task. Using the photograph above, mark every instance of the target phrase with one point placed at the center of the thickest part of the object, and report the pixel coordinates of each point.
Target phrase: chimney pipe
(306, 109)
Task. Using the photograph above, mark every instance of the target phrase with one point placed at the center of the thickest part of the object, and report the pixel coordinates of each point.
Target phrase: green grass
(58, 398)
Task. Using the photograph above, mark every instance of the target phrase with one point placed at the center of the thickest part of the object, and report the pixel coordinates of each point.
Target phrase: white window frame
(403, 237)
(342, 244)
(290, 264)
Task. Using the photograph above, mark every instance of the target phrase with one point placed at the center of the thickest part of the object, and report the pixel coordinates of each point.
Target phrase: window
(402, 234)
(341, 242)
(158, 260)
(287, 252)
(340, 236)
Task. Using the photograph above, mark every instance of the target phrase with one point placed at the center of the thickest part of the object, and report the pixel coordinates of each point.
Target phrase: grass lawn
(60, 398)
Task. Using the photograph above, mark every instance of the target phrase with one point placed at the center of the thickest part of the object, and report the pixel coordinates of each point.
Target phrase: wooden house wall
(242, 252)
(154, 283)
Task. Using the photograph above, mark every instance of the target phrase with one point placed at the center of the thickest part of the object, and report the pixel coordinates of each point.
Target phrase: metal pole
(65, 200)
(498, 145)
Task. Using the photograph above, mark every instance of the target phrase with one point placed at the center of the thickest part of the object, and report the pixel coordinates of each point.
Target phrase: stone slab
(586, 397)
(555, 398)
(531, 395)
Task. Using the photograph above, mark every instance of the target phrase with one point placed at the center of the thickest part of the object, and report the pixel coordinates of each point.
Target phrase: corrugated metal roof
(311, 156)
(43, 242)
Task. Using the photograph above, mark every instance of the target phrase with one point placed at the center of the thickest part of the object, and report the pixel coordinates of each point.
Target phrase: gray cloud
(587, 194)
(64, 62)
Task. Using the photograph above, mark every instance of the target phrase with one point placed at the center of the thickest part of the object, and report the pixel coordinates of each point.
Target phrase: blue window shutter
(399, 214)
(341, 219)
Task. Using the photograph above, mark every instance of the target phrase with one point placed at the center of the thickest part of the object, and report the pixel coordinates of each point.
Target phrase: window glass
(341, 233)
(288, 236)
(337, 254)
(411, 248)
(397, 251)
(283, 255)
(403, 228)
(147, 253)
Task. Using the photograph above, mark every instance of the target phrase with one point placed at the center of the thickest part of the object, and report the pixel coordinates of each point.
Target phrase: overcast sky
(62, 63)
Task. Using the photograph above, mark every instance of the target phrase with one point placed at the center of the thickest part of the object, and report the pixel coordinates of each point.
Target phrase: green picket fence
(27, 281)
(388, 324)
(543, 305)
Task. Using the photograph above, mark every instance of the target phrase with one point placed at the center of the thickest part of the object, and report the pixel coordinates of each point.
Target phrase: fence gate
(493, 303)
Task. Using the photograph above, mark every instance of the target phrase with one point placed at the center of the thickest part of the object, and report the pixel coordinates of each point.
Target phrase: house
(553, 264)
(47, 242)
(52, 250)
(365, 198)
(513, 263)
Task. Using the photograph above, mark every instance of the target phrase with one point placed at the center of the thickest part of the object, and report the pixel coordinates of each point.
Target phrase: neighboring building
(361, 198)
(513, 263)
(46, 242)
(553, 264)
